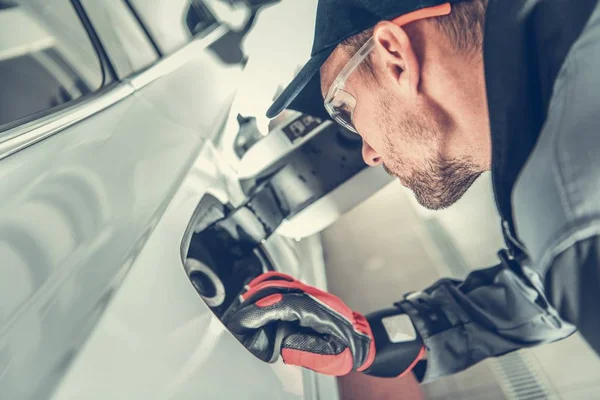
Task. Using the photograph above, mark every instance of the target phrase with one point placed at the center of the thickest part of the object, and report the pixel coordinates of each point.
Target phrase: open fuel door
(309, 171)
(297, 180)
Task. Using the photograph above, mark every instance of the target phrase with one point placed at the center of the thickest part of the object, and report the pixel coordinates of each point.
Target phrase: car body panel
(94, 299)
(79, 205)
(177, 348)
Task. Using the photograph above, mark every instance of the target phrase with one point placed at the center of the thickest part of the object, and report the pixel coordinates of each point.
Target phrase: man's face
(408, 130)
(410, 142)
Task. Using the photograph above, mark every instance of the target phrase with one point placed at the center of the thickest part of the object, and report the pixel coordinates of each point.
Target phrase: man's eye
(345, 107)
(345, 114)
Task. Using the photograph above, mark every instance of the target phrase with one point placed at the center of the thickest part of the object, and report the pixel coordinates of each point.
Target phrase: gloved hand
(279, 315)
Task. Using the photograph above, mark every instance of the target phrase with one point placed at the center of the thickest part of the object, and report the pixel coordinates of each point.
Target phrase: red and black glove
(279, 315)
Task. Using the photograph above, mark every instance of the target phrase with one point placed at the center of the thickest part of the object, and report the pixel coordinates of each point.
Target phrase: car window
(172, 23)
(46, 58)
(129, 48)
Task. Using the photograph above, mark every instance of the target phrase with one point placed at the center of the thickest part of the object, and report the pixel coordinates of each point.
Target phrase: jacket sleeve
(573, 286)
(492, 312)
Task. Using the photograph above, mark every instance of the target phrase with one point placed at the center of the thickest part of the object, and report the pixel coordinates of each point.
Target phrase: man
(438, 100)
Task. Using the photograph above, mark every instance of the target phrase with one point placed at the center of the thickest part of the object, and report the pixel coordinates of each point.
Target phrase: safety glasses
(339, 103)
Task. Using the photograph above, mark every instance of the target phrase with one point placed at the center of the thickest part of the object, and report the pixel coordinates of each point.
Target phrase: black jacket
(525, 300)
(525, 45)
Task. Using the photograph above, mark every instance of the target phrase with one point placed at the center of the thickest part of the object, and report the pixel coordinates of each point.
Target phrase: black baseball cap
(336, 21)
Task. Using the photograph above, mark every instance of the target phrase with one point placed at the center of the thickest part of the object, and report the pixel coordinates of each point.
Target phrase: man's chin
(433, 204)
(437, 192)
(443, 197)
(440, 185)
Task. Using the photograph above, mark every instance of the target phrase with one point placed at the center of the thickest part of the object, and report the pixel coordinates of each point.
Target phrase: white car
(111, 282)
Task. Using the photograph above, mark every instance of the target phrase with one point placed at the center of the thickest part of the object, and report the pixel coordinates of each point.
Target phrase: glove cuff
(398, 346)
(360, 322)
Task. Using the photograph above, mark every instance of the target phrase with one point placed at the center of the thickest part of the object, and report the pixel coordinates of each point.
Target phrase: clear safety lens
(341, 108)
(339, 103)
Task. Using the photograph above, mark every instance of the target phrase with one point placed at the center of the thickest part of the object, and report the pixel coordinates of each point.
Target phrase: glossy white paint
(94, 299)
(97, 195)
(76, 208)
(176, 347)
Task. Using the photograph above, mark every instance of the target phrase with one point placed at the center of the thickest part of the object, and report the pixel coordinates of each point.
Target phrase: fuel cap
(206, 282)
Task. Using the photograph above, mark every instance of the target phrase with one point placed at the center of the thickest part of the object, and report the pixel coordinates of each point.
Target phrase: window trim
(144, 28)
(31, 131)
(103, 63)
(176, 59)
(16, 139)
(193, 5)
(143, 32)
(196, 5)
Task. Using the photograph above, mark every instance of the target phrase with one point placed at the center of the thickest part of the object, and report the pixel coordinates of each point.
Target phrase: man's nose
(370, 156)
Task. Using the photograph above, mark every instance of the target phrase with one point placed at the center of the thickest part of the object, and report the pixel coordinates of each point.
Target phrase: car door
(98, 133)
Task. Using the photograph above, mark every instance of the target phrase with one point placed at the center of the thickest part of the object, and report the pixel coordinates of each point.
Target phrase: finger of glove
(262, 343)
(270, 276)
(306, 313)
(263, 298)
(325, 355)
(293, 307)
(271, 286)
(327, 300)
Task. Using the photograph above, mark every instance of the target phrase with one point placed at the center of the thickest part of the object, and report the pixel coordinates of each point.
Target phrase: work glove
(277, 315)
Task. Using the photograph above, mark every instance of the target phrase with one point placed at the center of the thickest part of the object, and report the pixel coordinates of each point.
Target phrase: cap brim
(303, 94)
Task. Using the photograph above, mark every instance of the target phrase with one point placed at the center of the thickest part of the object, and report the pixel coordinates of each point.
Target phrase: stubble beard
(436, 182)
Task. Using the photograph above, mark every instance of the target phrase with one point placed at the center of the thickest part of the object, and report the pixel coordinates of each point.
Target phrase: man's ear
(398, 59)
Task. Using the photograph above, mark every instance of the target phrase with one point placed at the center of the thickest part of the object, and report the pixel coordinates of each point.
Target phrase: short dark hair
(464, 27)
